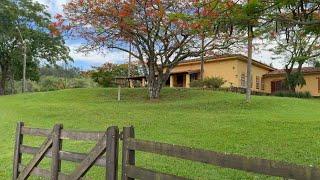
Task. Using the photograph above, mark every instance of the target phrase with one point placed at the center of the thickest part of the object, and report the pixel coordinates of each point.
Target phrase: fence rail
(255, 165)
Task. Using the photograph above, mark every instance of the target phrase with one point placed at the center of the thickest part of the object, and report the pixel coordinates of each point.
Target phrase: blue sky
(86, 61)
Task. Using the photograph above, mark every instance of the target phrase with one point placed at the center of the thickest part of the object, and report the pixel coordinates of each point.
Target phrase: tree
(35, 26)
(299, 12)
(162, 32)
(299, 48)
(297, 36)
(250, 18)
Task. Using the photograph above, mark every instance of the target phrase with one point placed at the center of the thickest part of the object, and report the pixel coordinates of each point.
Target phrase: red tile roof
(304, 70)
(218, 57)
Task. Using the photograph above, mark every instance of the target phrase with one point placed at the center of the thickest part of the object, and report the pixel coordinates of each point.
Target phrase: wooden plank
(112, 153)
(43, 173)
(36, 131)
(128, 155)
(55, 151)
(65, 155)
(86, 164)
(256, 165)
(142, 173)
(17, 153)
(36, 159)
(72, 135)
(82, 135)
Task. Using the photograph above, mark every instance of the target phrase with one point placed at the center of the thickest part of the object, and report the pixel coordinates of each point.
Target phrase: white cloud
(98, 58)
(54, 6)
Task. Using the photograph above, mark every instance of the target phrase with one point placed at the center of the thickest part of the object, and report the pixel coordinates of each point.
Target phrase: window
(257, 82)
(243, 80)
(262, 84)
(193, 76)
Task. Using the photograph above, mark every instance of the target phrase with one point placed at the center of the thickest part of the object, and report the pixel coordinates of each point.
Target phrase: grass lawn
(270, 127)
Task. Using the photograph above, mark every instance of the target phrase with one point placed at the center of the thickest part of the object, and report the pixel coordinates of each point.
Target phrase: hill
(275, 128)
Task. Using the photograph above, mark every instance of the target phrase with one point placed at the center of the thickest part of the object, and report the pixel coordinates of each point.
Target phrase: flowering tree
(162, 32)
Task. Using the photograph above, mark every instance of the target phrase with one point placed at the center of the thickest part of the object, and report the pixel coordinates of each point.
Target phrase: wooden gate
(52, 148)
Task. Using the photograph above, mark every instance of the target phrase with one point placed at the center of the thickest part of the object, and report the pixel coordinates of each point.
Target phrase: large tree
(162, 33)
(31, 19)
(297, 37)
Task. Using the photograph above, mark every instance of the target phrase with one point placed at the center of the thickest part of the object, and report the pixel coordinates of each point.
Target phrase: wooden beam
(64, 155)
(112, 153)
(255, 165)
(73, 135)
(128, 155)
(55, 150)
(142, 173)
(86, 164)
(36, 159)
(44, 173)
(17, 153)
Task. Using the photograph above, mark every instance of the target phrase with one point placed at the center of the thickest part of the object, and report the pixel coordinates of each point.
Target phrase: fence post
(17, 152)
(112, 153)
(128, 156)
(56, 147)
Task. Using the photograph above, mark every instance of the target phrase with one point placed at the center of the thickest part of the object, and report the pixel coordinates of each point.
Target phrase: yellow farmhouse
(233, 69)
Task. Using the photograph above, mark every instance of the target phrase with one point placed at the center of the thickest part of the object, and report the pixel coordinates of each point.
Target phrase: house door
(277, 86)
(180, 78)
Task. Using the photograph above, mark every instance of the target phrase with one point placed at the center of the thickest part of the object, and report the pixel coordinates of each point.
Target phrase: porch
(183, 79)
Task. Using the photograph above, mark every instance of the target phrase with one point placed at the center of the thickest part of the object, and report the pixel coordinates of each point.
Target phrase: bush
(293, 94)
(211, 82)
(51, 83)
(80, 83)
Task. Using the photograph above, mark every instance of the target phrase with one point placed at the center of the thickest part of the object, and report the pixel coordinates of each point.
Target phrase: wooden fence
(108, 144)
(52, 148)
(255, 165)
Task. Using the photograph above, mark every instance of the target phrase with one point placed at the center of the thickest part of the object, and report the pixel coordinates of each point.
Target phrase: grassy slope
(274, 128)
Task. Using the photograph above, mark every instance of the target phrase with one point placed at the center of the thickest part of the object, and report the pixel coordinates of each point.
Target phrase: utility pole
(249, 63)
(129, 66)
(202, 56)
(24, 85)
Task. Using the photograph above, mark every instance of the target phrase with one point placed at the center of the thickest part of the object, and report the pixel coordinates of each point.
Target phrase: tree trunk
(3, 80)
(249, 63)
(202, 58)
(154, 84)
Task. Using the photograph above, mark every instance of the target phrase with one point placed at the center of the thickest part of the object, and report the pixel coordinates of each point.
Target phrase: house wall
(311, 84)
(256, 71)
(229, 69)
(226, 69)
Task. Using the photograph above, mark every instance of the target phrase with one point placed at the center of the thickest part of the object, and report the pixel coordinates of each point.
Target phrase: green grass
(275, 128)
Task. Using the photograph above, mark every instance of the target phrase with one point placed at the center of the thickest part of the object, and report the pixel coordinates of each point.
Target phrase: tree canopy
(162, 33)
(31, 20)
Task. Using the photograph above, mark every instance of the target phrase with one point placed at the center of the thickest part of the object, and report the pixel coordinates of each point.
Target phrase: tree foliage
(31, 19)
(162, 32)
(105, 75)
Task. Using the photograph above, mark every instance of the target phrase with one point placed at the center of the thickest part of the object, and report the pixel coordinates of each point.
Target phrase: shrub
(210, 82)
(51, 83)
(197, 83)
(293, 94)
(80, 83)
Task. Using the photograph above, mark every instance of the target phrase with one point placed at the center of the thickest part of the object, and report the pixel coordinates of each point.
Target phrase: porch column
(143, 82)
(171, 81)
(130, 83)
(187, 80)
